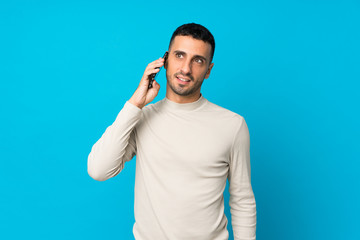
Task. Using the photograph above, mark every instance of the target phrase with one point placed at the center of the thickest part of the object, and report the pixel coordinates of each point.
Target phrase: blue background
(291, 68)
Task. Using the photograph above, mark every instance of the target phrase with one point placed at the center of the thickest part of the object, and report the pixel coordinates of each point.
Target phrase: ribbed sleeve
(242, 201)
(116, 146)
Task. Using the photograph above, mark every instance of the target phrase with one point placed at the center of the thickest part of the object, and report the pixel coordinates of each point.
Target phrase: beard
(184, 90)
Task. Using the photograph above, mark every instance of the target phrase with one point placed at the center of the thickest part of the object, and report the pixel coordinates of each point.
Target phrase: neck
(172, 106)
(182, 99)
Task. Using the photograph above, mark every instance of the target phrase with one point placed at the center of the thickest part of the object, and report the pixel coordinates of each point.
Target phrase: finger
(151, 71)
(155, 64)
(146, 77)
(156, 85)
(155, 88)
(160, 60)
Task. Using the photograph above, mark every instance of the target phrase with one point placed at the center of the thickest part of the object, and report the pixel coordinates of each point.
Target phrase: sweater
(184, 155)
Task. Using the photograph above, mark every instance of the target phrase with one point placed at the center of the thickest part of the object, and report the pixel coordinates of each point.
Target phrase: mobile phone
(153, 76)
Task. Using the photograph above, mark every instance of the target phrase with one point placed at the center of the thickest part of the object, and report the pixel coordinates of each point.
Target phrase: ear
(166, 55)
(209, 70)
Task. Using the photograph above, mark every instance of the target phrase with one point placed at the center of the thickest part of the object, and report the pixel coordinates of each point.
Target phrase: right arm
(117, 145)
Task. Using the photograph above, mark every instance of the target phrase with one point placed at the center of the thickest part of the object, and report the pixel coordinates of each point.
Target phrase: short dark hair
(196, 31)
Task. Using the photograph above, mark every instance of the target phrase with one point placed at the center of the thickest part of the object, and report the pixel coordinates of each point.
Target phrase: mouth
(183, 80)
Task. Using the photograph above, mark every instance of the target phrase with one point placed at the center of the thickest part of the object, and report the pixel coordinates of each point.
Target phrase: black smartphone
(153, 76)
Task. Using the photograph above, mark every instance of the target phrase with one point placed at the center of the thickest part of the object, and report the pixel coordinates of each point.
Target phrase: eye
(199, 60)
(178, 55)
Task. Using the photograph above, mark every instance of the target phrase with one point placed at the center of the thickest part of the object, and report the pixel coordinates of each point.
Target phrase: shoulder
(220, 112)
(154, 106)
(151, 110)
(234, 123)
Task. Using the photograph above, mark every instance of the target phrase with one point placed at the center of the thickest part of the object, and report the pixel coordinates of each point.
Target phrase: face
(187, 66)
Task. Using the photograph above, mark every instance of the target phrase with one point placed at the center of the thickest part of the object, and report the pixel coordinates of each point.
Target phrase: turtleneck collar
(170, 105)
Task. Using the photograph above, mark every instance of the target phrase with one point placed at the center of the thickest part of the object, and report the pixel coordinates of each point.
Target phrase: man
(186, 148)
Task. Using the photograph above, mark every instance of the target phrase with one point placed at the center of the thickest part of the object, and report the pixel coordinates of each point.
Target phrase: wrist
(135, 103)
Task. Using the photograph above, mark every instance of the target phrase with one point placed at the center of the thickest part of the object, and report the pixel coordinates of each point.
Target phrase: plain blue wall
(291, 68)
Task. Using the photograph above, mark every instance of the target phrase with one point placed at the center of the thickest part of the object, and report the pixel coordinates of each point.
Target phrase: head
(189, 62)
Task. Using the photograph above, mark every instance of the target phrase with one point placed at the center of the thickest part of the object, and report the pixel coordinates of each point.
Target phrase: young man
(186, 148)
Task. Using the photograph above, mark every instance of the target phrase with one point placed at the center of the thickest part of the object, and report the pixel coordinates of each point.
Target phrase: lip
(182, 82)
(188, 79)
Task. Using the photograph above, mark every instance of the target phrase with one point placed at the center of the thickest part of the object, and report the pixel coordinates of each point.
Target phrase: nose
(186, 67)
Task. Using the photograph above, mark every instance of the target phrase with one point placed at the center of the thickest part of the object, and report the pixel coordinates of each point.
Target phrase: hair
(196, 31)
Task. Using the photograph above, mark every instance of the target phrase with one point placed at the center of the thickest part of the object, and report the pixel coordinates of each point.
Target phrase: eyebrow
(195, 56)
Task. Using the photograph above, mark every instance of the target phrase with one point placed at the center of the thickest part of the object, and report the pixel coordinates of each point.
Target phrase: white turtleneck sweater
(184, 154)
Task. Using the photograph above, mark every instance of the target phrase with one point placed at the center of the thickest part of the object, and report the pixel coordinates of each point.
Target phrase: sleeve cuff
(131, 107)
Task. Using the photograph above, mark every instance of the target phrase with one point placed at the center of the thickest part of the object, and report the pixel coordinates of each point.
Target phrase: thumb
(153, 92)
(156, 85)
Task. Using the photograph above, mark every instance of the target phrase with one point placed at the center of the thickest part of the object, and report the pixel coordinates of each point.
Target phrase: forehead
(191, 46)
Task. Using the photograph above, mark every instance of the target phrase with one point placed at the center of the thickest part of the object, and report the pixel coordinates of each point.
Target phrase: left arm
(242, 200)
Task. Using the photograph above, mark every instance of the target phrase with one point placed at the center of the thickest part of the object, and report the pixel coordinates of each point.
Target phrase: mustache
(185, 75)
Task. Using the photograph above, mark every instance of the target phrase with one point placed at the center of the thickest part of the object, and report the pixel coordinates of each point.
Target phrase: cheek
(200, 73)
(174, 68)
(169, 66)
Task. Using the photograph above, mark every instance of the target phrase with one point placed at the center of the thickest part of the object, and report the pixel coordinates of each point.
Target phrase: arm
(242, 200)
(117, 145)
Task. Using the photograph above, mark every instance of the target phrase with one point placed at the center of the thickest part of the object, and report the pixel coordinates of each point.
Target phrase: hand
(143, 95)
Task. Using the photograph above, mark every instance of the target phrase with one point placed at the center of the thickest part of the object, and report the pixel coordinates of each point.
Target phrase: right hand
(143, 95)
